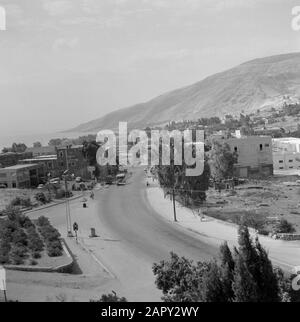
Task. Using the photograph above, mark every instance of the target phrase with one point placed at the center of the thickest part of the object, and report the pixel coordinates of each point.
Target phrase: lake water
(29, 139)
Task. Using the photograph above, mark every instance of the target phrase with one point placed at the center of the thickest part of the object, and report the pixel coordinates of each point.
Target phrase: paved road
(143, 236)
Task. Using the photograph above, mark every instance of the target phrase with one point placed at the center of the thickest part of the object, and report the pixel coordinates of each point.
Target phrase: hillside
(257, 84)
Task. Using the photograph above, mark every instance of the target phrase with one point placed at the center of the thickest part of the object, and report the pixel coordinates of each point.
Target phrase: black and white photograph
(149, 153)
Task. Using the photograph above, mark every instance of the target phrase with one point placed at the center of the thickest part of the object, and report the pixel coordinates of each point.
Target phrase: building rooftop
(20, 166)
(42, 149)
(70, 147)
(45, 158)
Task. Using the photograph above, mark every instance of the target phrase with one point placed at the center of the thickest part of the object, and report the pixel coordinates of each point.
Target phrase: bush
(19, 238)
(36, 255)
(35, 244)
(43, 221)
(60, 193)
(22, 202)
(33, 262)
(17, 255)
(4, 252)
(284, 227)
(51, 237)
(41, 198)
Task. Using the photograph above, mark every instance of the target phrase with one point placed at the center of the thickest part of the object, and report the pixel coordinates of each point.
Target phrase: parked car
(3, 186)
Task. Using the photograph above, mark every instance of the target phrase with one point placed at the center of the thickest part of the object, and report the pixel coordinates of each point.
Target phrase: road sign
(2, 279)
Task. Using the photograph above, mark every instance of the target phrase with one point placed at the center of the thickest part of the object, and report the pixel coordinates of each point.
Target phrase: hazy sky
(64, 62)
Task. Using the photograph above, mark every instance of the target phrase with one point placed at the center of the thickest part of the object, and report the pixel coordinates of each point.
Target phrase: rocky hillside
(257, 84)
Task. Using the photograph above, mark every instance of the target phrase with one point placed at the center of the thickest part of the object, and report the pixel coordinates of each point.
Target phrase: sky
(65, 62)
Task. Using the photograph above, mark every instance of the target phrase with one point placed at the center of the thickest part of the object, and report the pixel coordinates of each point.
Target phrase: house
(22, 176)
(255, 158)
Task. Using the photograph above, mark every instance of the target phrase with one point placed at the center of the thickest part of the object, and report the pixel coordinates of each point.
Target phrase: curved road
(139, 237)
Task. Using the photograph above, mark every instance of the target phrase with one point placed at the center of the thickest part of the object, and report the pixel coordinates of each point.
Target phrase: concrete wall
(255, 156)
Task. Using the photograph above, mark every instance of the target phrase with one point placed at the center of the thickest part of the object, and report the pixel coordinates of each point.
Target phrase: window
(290, 161)
(61, 164)
(260, 147)
(61, 154)
(281, 168)
(291, 167)
(267, 145)
(280, 161)
(235, 149)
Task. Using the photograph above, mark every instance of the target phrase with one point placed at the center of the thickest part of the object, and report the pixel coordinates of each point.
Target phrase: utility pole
(174, 205)
(173, 197)
(68, 212)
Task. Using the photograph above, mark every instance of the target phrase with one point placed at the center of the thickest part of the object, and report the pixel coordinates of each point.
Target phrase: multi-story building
(255, 157)
(22, 175)
(286, 154)
(71, 158)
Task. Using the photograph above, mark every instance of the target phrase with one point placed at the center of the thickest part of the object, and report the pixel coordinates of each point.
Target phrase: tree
(179, 279)
(222, 161)
(55, 142)
(246, 276)
(16, 148)
(244, 286)
(19, 147)
(37, 144)
(213, 285)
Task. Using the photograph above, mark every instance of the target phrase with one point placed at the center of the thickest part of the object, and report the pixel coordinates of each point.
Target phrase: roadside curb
(97, 260)
(52, 205)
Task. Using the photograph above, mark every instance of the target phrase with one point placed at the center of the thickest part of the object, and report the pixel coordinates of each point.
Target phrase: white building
(286, 154)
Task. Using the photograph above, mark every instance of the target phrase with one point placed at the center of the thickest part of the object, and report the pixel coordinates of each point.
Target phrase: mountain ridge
(256, 84)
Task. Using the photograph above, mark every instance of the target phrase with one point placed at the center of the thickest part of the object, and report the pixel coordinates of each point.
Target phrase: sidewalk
(285, 254)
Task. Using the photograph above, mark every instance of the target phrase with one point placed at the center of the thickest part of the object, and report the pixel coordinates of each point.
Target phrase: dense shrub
(43, 221)
(19, 238)
(54, 251)
(18, 254)
(41, 198)
(51, 237)
(284, 227)
(21, 202)
(4, 252)
(35, 244)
